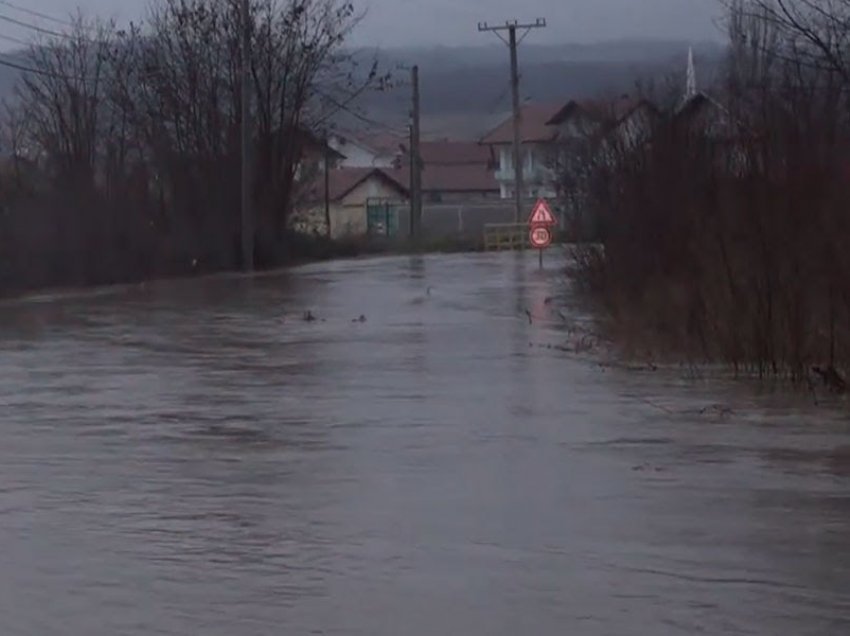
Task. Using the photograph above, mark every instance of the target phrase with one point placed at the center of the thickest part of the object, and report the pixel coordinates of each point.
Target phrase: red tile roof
(533, 126)
(462, 178)
(450, 153)
(454, 166)
(385, 143)
(459, 178)
(610, 110)
(540, 121)
(344, 180)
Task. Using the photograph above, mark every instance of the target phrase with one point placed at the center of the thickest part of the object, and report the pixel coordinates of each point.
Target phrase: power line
(491, 110)
(9, 38)
(415, 159)
(363, 118)
(34, 13)
(34, 27)
(38, 71)
(336, 103)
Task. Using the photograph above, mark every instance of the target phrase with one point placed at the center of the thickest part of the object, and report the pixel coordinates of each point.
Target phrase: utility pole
(411, 168)
(415, 161)
(247, 213)
(511, 27)
(327, 167)
(519, 172)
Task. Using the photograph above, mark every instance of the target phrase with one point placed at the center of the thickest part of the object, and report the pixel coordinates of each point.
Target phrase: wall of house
(536, 171)
(636, 128)
(348, 220)
(348, 216)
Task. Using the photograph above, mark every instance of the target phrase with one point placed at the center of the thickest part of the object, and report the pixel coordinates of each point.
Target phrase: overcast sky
(453, 22)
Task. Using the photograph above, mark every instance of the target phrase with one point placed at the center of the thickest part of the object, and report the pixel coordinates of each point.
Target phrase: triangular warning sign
(542, 214)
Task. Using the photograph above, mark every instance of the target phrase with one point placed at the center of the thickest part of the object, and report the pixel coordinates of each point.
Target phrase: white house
(546, 132)
(537, 139)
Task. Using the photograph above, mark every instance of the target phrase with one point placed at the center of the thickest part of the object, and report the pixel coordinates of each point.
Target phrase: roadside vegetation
(724, 236)
(123, 146)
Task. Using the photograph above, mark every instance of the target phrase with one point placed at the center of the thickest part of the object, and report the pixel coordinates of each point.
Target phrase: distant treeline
(123, 146)
(723, 237)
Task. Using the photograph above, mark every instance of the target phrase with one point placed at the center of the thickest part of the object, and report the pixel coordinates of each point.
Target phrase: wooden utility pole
(411, 168)
(327, 168)
(511, 27)
(247, 212)
(415, 161)
(519, 176)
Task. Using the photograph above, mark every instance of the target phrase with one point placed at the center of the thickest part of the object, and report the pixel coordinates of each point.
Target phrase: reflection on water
(194, 457)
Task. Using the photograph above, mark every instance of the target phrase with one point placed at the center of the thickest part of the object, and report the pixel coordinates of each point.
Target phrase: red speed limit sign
(540, 236)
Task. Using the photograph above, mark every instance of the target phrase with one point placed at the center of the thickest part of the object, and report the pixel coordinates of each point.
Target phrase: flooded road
(195, 458)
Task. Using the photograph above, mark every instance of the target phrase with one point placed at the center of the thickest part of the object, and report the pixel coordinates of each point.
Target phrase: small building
(361, 202)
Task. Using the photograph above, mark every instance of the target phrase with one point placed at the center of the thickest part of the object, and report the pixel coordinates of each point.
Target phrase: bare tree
(725, 233)
(139, 131)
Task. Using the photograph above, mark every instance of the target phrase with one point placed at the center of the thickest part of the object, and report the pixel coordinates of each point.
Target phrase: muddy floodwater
(195, 458)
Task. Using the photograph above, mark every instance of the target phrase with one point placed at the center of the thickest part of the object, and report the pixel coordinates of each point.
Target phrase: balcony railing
(535, 175)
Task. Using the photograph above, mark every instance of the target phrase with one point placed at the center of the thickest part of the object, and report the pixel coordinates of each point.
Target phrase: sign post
(540, 225)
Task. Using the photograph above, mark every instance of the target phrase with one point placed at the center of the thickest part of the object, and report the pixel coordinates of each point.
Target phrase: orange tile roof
(344, 180)
(449, 153)
(533, 128)
(540, 121)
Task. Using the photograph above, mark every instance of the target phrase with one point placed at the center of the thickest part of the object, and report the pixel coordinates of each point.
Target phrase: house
(703, 120)
(537, 140)
(360, 202)
(629, 119)
(704, 124)
(636, 125)
(547, 132)
(361, 150)
(706, 115)
(703, 114)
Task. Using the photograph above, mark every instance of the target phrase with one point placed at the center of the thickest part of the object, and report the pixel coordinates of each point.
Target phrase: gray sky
(453, 22)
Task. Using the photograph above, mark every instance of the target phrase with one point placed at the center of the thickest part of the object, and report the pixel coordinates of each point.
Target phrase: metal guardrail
(506, 236)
